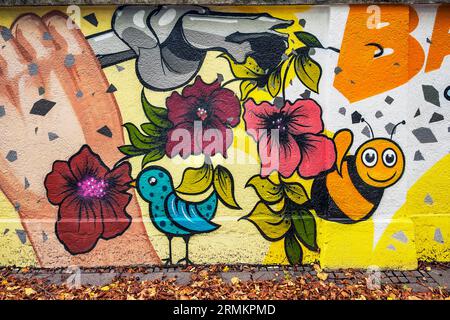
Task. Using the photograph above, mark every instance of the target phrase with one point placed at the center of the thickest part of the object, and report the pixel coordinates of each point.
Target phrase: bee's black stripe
(370, 193)
(326, 207)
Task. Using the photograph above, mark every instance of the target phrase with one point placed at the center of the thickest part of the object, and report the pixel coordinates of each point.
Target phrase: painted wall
(267, 135)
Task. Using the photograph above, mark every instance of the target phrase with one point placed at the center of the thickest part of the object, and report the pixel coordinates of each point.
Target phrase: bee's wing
(343, 140)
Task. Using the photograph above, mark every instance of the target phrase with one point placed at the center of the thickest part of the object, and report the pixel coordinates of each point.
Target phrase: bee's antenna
(395, 127)
(370, 127)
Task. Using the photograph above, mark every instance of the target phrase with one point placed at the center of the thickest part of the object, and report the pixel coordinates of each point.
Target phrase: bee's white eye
(152, 181)
(389, 157)
(369, 157)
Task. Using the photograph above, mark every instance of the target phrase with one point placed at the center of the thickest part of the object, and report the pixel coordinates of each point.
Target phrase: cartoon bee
(352, 191)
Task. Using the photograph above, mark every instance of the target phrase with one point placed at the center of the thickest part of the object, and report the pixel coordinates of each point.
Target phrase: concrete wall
(238, 134)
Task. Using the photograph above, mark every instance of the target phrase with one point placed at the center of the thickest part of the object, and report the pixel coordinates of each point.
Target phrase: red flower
(203, 114)
(91, 199)
(298, 144)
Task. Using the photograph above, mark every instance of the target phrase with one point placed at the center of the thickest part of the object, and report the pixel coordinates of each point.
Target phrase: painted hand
(53, 99)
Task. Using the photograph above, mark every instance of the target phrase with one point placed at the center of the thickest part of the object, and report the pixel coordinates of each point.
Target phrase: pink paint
(92, 188)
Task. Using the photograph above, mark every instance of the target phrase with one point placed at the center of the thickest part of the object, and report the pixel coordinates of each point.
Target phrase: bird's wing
(189, 215)
(208, 207)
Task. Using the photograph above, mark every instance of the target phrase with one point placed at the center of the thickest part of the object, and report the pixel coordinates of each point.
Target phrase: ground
(429, 281)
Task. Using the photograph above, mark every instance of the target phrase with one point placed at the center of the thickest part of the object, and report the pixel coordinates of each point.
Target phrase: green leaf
(196, 180)
(131, 151)
(266, 189)
(293, 249)
(272, 225)
(308, 71)
(296, 192)
(139, 140)
(246, 87)
(247, 70)
(153, 130)
(152, 156)
(308, 39)
(305, 228)
(224, 186)
(156, 115)
(274, 83)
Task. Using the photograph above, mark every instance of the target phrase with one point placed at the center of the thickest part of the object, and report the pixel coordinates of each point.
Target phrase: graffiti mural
(247, 134)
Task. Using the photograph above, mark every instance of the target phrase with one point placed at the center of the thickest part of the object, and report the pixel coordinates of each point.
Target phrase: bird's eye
(152, 181)
(369, 157)
(389, 157)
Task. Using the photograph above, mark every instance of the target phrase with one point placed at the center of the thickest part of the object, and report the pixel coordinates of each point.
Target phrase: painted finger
(12, 63)
(33, 37)
(37, 45)
(95, 107)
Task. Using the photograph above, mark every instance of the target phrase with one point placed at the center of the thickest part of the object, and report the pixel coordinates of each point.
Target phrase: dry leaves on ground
(207, 284)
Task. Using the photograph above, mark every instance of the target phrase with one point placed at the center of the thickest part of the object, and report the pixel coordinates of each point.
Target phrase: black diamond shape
(52, 136)
(105, 131)
(436, 117)
(431, 95)
(306, 94)
(356, 117)
(92, 19)
(389, 100)
(111, 88)
(42, 107)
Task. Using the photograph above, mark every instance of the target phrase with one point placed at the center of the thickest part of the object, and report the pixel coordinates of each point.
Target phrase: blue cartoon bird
(172, 215)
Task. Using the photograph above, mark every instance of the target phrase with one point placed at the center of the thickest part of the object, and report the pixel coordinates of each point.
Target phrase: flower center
(279, 123)
(92, 188)
(202, 114)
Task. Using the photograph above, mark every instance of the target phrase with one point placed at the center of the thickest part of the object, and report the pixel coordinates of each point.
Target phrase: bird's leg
(186, 258)
(168, 261)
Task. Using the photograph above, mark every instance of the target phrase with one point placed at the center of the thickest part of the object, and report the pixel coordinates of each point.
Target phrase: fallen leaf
(317, 267)
(322, 276)
(152, 292)
(29, 291)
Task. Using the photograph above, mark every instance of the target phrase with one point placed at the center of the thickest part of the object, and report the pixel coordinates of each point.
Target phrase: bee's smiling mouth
(385, 180)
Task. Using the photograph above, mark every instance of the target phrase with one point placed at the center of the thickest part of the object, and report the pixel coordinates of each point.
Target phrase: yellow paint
(12, 251)
(425, 217)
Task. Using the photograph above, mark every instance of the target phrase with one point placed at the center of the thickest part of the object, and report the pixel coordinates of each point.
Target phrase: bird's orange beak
(132, 184)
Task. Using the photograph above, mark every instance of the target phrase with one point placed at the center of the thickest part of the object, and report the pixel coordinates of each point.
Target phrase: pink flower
(202, 110)
(289, 137)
